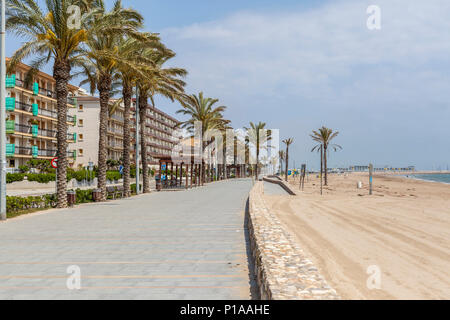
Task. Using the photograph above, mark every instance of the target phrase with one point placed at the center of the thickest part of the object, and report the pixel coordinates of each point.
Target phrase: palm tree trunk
(104, 89)
(287, 163)
(127, 92)
(61, 73)
(143, 100)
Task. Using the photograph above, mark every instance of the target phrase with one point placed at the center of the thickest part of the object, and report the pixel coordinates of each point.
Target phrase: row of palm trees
(323, 137)
(109, 51)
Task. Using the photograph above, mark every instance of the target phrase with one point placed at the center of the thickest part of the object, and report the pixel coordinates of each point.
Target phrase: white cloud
(324, 62)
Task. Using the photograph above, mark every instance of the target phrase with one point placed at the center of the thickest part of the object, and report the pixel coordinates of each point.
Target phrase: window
(80, 108)
(12, 163)
(80, 137)
(80, 152)
(80, 122)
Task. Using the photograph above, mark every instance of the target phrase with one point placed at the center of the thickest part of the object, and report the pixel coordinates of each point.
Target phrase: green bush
(14, 177)
(24, 169)
(41, 177)
(15, 205)
(83, 175)
(84, 196)
(113, 175)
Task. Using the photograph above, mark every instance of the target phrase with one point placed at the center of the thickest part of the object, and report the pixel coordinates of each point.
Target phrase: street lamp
(2, 117)
(138, 189)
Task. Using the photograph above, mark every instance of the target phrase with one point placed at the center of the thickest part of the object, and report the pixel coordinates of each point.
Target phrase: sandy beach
(403, 229)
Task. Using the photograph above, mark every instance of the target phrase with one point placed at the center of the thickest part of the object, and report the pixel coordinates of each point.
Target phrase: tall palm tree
(324, 137)
(282, 156)
(202, 109)
(49, 36)
(162, 81)
(258, 140)
(101, 61)
(130, 50)
(287, 142)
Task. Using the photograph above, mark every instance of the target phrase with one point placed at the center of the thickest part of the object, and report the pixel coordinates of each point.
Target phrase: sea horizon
(442, 177)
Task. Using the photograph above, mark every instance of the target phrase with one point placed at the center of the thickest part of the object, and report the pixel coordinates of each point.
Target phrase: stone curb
(282, 270)
(281, 183)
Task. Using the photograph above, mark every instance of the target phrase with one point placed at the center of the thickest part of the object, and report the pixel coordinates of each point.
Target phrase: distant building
(32, 118)
(159, 128)
(382, 169)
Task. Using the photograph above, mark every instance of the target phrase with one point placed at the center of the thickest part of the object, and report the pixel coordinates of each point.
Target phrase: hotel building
(158, 130)
(32, 118)
(87, 114)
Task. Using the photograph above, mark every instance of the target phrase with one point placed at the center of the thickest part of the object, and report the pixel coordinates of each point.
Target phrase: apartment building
(159, 128)
(87, 114)
(32, 118)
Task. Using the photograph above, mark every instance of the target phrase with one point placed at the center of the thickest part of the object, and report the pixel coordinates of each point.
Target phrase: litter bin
(96, 195)
(71, 198)
(158, 183)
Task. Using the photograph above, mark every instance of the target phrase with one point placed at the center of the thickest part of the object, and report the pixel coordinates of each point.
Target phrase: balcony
(12, 82)
(13, 105)
(27, 152)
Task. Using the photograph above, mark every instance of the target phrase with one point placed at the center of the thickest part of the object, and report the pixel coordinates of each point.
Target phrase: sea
(435, 177)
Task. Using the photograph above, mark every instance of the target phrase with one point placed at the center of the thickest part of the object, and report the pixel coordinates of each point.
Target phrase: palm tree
(255, 138)
(160, 80)
(287, 142)
(101, 61)
(48, 35)
(202, 109)
(325, 136)
(130, 50)
(282, 156)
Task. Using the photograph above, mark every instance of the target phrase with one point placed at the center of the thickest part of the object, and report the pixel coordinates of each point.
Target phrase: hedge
(41, 177)
(17, 204)
(14, 177)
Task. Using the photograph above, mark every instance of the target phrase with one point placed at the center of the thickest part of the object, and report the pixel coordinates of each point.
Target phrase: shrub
(113, 175)
(14, 177)
(24, 169)
(41, 177)
(16, 204)
(84, 196)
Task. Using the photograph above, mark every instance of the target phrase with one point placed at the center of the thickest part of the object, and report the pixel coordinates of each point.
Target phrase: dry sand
(404, 229)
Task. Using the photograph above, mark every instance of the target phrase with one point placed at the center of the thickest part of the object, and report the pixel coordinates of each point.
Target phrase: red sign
(54, 163)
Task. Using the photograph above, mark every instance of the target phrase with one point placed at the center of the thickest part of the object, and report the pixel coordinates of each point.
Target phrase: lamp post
(3, 117)
(138, 191)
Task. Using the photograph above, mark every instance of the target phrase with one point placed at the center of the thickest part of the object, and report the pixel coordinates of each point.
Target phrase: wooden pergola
(171, 173)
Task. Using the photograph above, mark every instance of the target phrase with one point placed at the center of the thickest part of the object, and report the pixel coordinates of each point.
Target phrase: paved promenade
(170, 245)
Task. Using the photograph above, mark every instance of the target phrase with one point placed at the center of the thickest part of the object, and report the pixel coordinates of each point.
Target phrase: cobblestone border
(283, 271)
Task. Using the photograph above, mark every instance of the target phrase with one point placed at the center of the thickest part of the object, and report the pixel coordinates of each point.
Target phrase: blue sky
(298, 65)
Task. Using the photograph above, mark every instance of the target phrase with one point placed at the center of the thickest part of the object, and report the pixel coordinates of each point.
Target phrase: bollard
(96, 195)
(71, 198)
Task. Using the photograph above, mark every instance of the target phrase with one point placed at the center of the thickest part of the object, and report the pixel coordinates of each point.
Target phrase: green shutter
(75, 137)
(34, 130)
(10, 126)
(10, 104)
(35, 88)
(10, 150)
(75, 154)
(74, 120)
(35, 109)
(35, 151)
(11, 81)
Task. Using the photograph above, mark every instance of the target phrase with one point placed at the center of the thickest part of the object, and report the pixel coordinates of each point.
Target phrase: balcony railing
(47, 153)
(35, 110)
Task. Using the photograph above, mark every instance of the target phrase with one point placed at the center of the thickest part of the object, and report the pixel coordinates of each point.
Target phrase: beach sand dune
(403, 229)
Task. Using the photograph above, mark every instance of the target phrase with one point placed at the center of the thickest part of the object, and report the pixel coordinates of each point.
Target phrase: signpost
(370, 179)
(54, 164)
